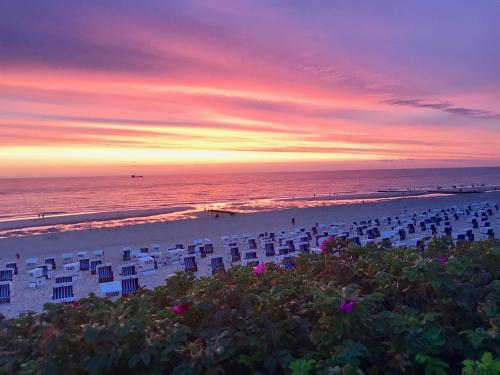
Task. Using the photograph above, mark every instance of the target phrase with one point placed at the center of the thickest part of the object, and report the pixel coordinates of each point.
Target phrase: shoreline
(204, 225)
(51, 223)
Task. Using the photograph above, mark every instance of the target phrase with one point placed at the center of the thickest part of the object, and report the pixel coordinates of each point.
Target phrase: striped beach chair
(190, 264)
(126, 254)
(269, 249)
(63, 293)
(105, 273)
(251, 259)
(93, 266)
(252, 244)
(235, 254)
(51, 261)
(65, 279)
(130, 286)
(6, 274)
(216, 265)
(128, 270)
(13, 266)
(84, 264)
(209, 248)
(5, 293)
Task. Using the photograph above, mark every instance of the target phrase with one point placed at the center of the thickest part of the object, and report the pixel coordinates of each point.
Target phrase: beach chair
(155, 247)
(84, 264)
(235, 255)
(5, 292)
(269, 249)
(51, 261)
(156, 255)
(63, 293)
(110, 289)
(146, 265)
(216, 265)
(105, 273)
(67, 258)
(12, 265)
(173, 256)
(129, 285)
(144, 250)
(36, 278)
(250, 259)
(190, 264)
(6, 274)
(126, 254)
(45, 270)
(304, 247)
(81, 254)
(209, 248)
(98, 254)
(128, 270)
(252, 244)
(93, 266)
(31, 263)
(63, 279)
(71, 267)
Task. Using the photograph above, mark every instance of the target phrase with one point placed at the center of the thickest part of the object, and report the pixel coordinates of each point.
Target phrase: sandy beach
(205, 225)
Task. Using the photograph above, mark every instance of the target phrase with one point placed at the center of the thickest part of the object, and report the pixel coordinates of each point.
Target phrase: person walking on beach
(18, 256)
(293, 221)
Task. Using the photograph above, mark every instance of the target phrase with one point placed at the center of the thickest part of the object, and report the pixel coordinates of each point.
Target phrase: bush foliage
(436, 313)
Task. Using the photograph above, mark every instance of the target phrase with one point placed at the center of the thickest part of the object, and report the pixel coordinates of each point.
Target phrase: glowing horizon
(157, 87)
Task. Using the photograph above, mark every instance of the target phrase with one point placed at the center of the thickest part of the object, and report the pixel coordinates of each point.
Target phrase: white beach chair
(36, 278)
(6, 274)
(5, 292)
(129, 285)
(190, 263)
(81, 254)
(63, 293)
(31, 263)
(98, 254)
(128, 270)
(67, 258)
(66, 278)
(146, 265)
(104, 273)
(13, 266)
(111, 289)
(72, 267)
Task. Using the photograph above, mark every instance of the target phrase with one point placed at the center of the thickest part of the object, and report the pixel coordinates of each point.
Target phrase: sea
(27, 198)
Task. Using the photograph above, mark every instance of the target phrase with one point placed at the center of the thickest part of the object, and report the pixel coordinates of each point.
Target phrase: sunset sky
(119, 86)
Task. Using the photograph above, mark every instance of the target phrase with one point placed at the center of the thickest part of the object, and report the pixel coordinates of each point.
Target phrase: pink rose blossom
(259, 269)
(348, 306)
(443, 260)
(181, 309)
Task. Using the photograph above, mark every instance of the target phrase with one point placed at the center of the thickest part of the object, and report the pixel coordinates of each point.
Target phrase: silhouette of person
(293, 221)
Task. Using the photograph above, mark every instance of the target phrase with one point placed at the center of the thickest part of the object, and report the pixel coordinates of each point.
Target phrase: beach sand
(205, 225)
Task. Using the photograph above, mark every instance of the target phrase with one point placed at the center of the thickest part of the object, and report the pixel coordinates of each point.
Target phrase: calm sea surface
(28, 197)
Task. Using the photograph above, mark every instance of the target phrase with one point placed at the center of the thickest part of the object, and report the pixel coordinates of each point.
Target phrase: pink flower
(443, 260)
(348, 306)
(181, 309)
(259, 269)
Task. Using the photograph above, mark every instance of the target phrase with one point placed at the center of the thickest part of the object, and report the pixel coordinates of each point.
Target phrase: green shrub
(369, 311)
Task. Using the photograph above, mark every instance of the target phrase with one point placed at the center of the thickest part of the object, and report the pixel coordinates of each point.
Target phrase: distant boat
(136, 176)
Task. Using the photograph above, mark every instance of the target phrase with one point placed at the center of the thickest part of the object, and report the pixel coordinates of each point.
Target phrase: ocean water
(24, 198)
